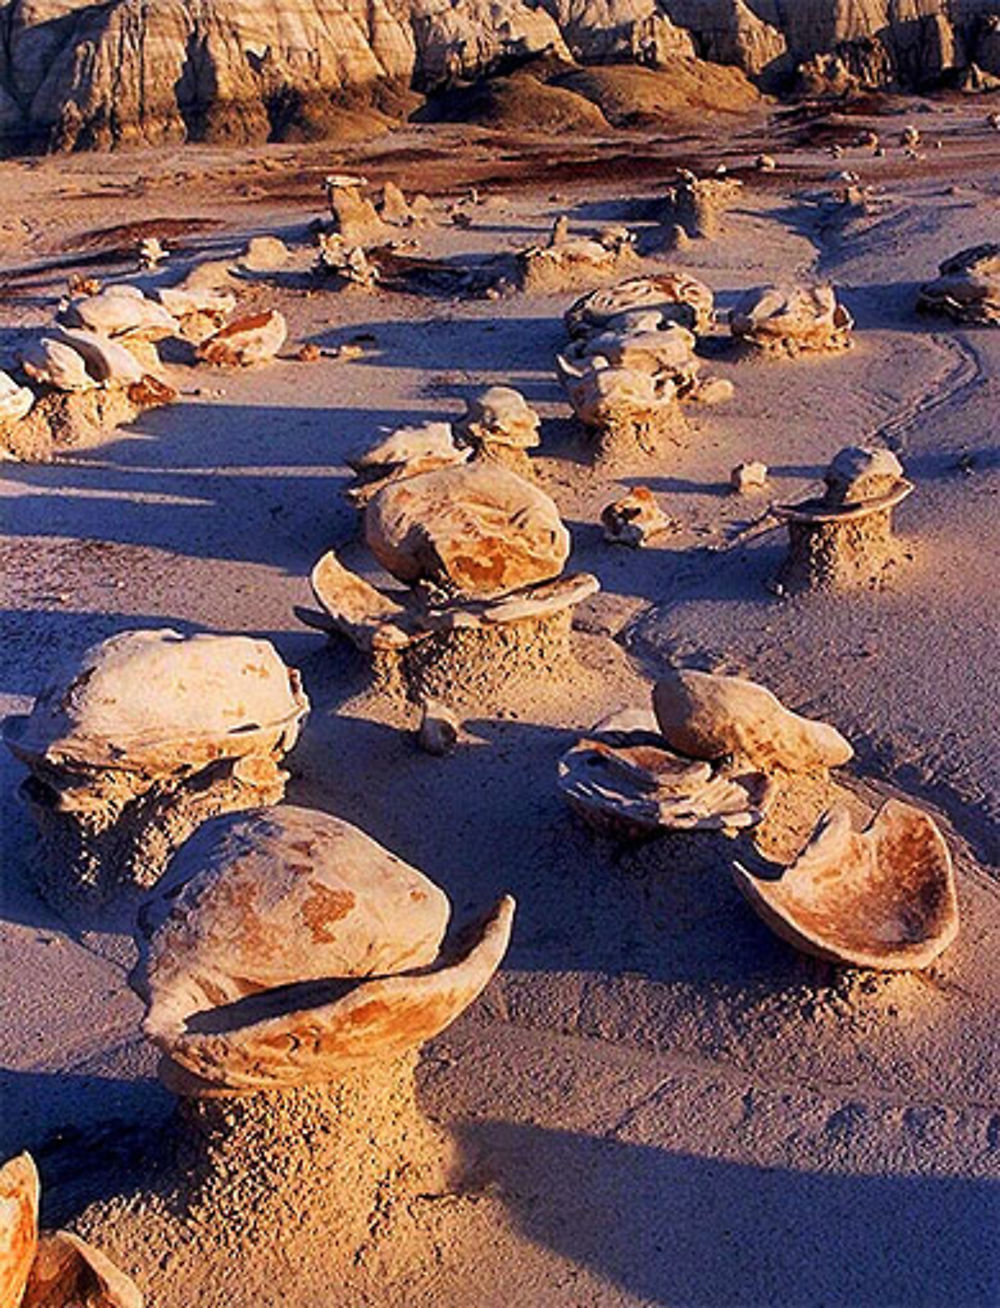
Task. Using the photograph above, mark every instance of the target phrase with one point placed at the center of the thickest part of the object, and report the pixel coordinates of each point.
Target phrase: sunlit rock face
(76, 74)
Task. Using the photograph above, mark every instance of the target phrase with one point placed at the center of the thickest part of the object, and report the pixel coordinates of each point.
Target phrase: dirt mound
(630, 97)
(522, 102)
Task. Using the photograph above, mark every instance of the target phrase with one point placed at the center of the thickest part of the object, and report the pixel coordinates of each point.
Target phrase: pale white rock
(676, 296)
(747, 477)
(265, 254)
(246, 341)
(53, 362)
(439, 727)
(120, 310)
(15, 401)
(500, 415)
(968, 288)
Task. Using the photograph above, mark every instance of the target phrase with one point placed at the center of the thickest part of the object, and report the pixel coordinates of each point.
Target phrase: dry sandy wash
(656, 1101)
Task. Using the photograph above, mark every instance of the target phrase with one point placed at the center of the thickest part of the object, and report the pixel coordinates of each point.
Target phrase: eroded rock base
(63, 421)
(852, 555)
(479, 665)
(635, 439)
(124, 841)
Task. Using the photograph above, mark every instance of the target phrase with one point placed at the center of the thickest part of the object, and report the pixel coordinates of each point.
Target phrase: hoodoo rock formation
(77, 74)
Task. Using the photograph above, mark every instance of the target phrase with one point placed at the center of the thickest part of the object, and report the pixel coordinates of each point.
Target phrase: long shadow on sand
(670, 1228)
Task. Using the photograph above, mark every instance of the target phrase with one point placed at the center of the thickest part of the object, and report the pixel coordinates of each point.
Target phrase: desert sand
(656, 1101)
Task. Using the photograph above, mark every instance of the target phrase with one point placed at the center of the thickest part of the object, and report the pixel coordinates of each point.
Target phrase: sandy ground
(657, 1102)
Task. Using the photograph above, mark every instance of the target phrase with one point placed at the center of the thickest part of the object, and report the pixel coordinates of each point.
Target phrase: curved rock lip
(818, 510)
(883, 898)
(293, 1037)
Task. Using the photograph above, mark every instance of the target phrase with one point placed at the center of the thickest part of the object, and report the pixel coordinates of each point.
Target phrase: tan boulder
(275, 899)
(477, 531)
(499, 415)
(881, 898)
(792, 320)
(54, 362)
(253, 339)
(635, 519)
(18, 1226)
(265, 254)
(707, 716)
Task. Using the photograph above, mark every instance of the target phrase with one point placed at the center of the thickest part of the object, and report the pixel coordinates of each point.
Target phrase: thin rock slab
(285, 947)
(882, 898)
(148, 735)
(676, 296)
(707, 716)
(625, 781)
(405, 452)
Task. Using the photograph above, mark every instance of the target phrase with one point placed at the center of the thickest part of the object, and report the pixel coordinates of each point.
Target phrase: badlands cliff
(77, 74)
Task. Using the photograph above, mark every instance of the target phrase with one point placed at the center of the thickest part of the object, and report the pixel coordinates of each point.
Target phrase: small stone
(438, 732)
(265, 254)
(747, 477)
(308, 353)
(635, 519)
(346, 353)
(713, 390)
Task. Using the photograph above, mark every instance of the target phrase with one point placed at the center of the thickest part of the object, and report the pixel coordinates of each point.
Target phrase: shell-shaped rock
(18, 1226)
(156, 701)
(69, 1272)
(792, 318)
(285, 945)
(677, 296)
(121, 310)
(246, 341)
(476, 530)
(15, 401)
(54, 362)
(881, 898)
(709, 717)
(500, 415)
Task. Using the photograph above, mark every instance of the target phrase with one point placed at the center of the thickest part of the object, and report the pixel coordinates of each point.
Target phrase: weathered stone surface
(696, 205)
(664, 351)
(108, 361)
(881, 898)
(265, 254)
(968, 289)
(438, 731)
(355, 219)
(477, 531)
(68, 1271)
(628, 414)
(246, 341)
(575, 261)
(15, 400)
(676, 296)
(792, 320)
(858, 475)
(711, 717)
(499, 415)
(120, 310)
(51, 361)
(635, 519)
(748, 477)
(405, 452)
(142, 739)
(624, 780)
(285, 946)
(18, 1226)
(393, 208)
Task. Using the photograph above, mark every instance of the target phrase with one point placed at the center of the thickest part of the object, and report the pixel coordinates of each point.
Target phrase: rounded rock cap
(157, 700)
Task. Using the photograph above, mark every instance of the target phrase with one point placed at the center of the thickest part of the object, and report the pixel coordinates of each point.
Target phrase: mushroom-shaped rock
(968, 289)
(148, 735)
(624, 780)
(676, 296)
(500, 416)
(707, 716)
(121, 310)
(244, 342)
(628, 413)
(792, 320)
(844, 538)
(477, 531)
(53, 1269)
(881, 898)
(635, 519)
(285, 946)
(18, 1226)
(15, 401)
